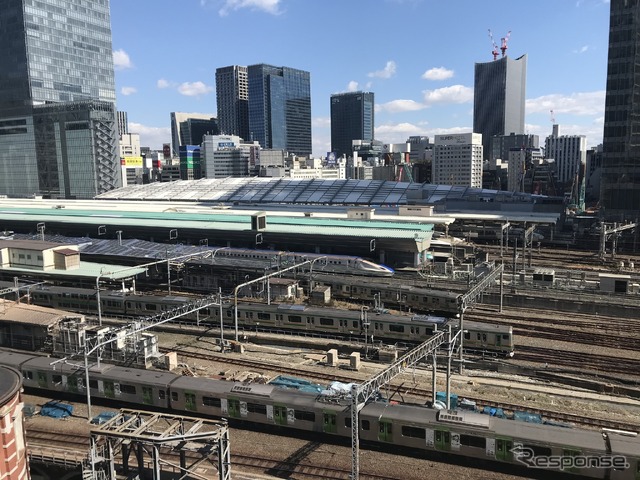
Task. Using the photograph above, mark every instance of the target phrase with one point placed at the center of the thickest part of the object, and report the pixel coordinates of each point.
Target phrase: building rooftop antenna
(504, 41)
(494, 52)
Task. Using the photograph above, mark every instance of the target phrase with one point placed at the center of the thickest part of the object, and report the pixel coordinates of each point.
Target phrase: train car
(405, 296)
(469, 434)
(485, 337)
(325, 262)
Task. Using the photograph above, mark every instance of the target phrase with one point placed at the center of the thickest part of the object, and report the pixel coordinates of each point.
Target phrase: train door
(498, 340)
(42, 380)
(637, 477)
(569, 452)
(280, 414)
(72, 383)
(442, 440)
(503, 449)
(147, 395)
(329, 422)
(385, 433)
(233, 407)
(109, 389)
(190, 401)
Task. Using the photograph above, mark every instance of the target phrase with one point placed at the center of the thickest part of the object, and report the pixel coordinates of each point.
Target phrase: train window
(257, 408)
(211, 402)
(27, 375)
(264, 316)
(162, 394)
(295, 319)
(396, 328)
(505, 337)
(326, 322)
(306, 416)
(355, 324)
(128, 389)
(174, 396)
(347, 422)
(93, 384)
(413, 432)
(472, 441)
(56, 379)
(365, 424)
(539, 451)
(467, 335)
(150, 306)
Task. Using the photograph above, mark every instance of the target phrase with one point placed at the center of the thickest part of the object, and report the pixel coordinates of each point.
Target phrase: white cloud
(121, 60)
(388, 71)
(396, 106)
(152, 137)
(128, 90)
(452, 94)
(582, 49)
(353, 86)
(584, 103)
(194, 89)
(162, 83)
(398, 132)
(321, 122)
(438, 73)
(267, 6)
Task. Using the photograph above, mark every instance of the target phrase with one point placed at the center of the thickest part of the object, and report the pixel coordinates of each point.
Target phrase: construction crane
(494, 52)
(504, 41)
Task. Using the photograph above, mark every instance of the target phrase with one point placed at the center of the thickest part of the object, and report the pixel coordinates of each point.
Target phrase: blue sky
(417, 56)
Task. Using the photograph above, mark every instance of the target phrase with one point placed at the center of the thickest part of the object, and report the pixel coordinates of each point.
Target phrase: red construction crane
(494, 52)
(504, 40)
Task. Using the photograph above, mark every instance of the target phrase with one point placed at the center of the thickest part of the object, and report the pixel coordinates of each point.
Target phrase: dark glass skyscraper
(351, 119)
(498, 98)
(620, 184)
(232, 96)
(280, 108)
(58, 134)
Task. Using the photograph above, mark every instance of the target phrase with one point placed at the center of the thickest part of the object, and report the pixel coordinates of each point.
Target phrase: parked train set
(612, 455)
(385, 327)
(346, 287)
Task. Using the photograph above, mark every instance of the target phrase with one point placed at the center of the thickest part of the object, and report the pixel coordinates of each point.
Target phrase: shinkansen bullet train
(612, 455)
(331, 263)
(385, 327)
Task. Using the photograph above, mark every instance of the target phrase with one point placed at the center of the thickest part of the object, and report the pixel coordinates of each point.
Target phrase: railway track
(76, 448)
(402, 390)
(579, 361)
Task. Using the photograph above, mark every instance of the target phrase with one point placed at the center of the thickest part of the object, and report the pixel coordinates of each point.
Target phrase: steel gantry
(473, 296)
(140, 432)
(612, 231)
(360, 394)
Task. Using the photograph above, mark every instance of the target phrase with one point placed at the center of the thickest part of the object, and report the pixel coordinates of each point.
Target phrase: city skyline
(417, 57)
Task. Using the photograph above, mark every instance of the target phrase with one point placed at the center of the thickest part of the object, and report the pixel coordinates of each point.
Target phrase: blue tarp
(56, 409)
(285, 381)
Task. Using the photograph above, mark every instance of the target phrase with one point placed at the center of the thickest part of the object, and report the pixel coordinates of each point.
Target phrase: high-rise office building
(58, 135)
(232, 96)
(569, 152)
(457, 160)
(189, 128)
(620, 183)
(280, 108)
(498, 98)
(123, 123)
(351, 119)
